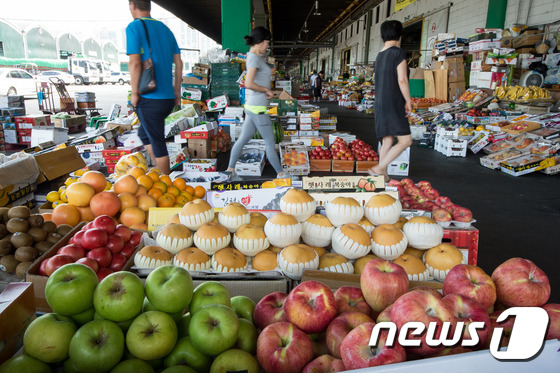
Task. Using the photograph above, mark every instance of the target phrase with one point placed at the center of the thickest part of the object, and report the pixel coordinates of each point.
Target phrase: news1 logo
(526, 339)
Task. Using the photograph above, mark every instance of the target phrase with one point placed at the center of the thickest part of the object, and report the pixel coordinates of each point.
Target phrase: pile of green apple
(121, 325)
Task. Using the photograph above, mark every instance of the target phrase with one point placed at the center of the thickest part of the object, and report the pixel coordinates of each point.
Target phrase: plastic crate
(454, 148)
(466, 240)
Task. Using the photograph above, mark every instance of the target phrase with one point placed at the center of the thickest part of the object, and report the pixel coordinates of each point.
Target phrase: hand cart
(47, 104)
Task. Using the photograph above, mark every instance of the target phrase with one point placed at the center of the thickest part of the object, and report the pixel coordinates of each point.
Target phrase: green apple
(124, 325)
(169, 288)
(248, 335)
(119, 296)
(152, 335)
(209, 292)
(47, 338)
(179, 369)
(24, 363)
(69, 290)
(184, 353)
(214, 329)
(243, 307)
(183, 325)
(83, 318)
(68, 367)
(97, 346)
(234, 361)
(147, 306)
(133, 365)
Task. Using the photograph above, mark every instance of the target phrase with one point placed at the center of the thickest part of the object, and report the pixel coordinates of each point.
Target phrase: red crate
(464, 239)
(110, 168)
(29, 121)
(117, 152)
(24, 136)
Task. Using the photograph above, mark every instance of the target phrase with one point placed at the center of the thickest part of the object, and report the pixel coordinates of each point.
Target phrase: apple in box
(469, 311)
(324, 363)
(441, 214)
(48, 337)
(270, 309)
(311, 306)
(382, 282)
(69, 290)
(339, 328)
(472, 282)
(462, 214)
(351, 298)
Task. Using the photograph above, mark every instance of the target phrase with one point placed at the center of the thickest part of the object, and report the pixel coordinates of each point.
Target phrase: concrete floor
(516, 216)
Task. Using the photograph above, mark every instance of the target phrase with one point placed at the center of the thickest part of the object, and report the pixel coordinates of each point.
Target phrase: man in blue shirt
(153, 107)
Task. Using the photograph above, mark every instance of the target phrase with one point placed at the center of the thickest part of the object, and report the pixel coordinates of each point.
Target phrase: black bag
(147, 81)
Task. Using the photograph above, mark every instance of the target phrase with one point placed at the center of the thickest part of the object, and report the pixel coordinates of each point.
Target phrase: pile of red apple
(363, 151)
(101, 244)
(423, 196)
(320, 153)
(313, 329)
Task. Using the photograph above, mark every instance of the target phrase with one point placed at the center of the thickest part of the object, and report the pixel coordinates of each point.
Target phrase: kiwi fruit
(36, 220)
(43, 246)
(9, 263)
(4, 214)
(20, 239)
(38, 234)
(3, 231)
(53, 238)
(17, 225)
(21, 268)
(5, 247)
(63, 229)
(22, 212)
(26, 253)
(49, 226)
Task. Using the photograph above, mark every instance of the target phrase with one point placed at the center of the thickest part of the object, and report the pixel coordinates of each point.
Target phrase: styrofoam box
(40, 135)
(417, 132)
(455, 148)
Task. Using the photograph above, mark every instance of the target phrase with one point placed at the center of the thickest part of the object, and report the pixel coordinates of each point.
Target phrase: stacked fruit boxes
(223, 80)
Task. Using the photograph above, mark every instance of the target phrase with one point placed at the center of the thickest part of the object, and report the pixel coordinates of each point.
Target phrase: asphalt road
(105, 95)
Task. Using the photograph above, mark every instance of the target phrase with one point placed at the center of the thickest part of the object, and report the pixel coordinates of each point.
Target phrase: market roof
(287, 18)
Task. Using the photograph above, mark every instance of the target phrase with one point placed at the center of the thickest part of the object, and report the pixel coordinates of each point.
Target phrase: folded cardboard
(55, 163)
(527, 38)
(73, 121)
(195, 80)
(17, 311)
(199, 148)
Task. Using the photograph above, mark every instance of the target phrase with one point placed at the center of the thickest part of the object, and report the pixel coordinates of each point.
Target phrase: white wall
(541, 12)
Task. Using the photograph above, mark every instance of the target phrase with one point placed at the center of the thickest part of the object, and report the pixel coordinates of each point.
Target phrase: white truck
(104, 69)
(84, 70)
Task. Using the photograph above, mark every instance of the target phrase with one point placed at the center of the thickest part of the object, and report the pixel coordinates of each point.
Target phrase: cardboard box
(217, 103)
(118, 152)
(479, 141)
(17, 311)
(456, 90)
(195, 80)
(338, 183)
(191, 94)
(40, 135)
(455, 68)
(524, 63)
(339, 165)
(267, 199)
(320, 165)
(55, 163)
(96, 147)
(73, 121)
(205, 131)
(201, 71)
(252, 169)
(249, 284)
(24, 136)
(10, 136)
(483, 45)
(12, 102)
(528, 38)
(401, 165)
(441, 83)
(200, 165)
(199, 148)
(363, 167)
(526, 164)
(14, 192)
(30, 121)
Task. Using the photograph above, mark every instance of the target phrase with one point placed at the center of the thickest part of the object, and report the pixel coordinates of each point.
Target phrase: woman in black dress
(392, 98)
(318, 86)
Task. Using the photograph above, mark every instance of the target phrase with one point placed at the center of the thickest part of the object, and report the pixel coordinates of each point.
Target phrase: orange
(140, 226)
(79, 194)
(181, 200)
(170, 195)
(155, 193)
(166, 179)
(141, 190)
(96, 179)
(132, 215)
(86, 214)
(180, 184)
(199, 191)
(165, 201)
(128, 200)
(173, 190)
(189, 189)
(66, 213)
(146, 201)
(161, 186)
(146, 181)
(126, 184)
(46, 216)
(153, 175)
(156, 170)
(136, 172)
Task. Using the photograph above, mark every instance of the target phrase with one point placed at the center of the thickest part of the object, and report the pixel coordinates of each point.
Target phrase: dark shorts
(152, 114)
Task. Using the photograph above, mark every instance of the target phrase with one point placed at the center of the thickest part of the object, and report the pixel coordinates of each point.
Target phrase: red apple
(441, 200)
(319, 344)
(310, 306)
(77, 238)
(42, 267)
(356, 352)
(135, 238)
(428, 289)
(270, 309)
(406, 182)
(520, 283)
(94, 237)
(394, 183)
(351, 298)
(469, 311)
(55, 262)
(122, 231)
(106, 223)
(506, 325)
(453, 351)
(282, 347)
(114, 243)
(339, 328)
(117, 262)
(423, 184)
(127, 250)
(90, 263)
(431, 193)
(103, 272)
(324, 364)
(441, 214)
(553, 310)
(472, 282)
(382, 282)
(462, 214)
(384, 315)
(72, 250)
(87, 226)
(101, 255)
(424, 307)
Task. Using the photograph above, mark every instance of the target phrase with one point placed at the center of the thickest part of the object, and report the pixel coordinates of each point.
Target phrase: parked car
(62, 75)
(17, 82)
(120, 77)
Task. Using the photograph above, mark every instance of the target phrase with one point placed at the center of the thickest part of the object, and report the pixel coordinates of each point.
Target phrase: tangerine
(155, 193)
(189, 189)
(140, 226)
(126, 184)
(136, 172)
(166, 179)
(160, 185)
(141, 190)
(153, 175)
(187, 195)
(170, 195)
(173, 190)
(199, 191)
(66, 213)
(166, 201)
(181, 200)
(132, 215)
(48, 217)
(146, 181)
(180, 184)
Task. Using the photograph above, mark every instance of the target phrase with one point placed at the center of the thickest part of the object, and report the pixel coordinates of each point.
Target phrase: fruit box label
(369, 184)
(256, 199)
(252, 184)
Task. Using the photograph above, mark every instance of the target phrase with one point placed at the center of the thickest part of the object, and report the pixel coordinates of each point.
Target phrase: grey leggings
(254, 122)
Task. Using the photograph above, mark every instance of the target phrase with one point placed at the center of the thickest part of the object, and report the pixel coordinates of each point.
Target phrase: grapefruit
(105, 203)
(96, 179)
(66, 213)
(79, 194)
(132, 215)
(126, 184)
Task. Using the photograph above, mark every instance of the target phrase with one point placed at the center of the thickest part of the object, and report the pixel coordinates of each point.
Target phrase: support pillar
(496, 14)
(236, 23)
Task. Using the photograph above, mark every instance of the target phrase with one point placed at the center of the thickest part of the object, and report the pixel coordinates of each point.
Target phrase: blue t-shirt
(164, 47)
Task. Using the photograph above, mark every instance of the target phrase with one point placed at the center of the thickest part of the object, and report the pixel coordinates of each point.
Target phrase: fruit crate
(294, 158)
(362, 167)
(340, 165)
(320, 165)
(466, 240)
